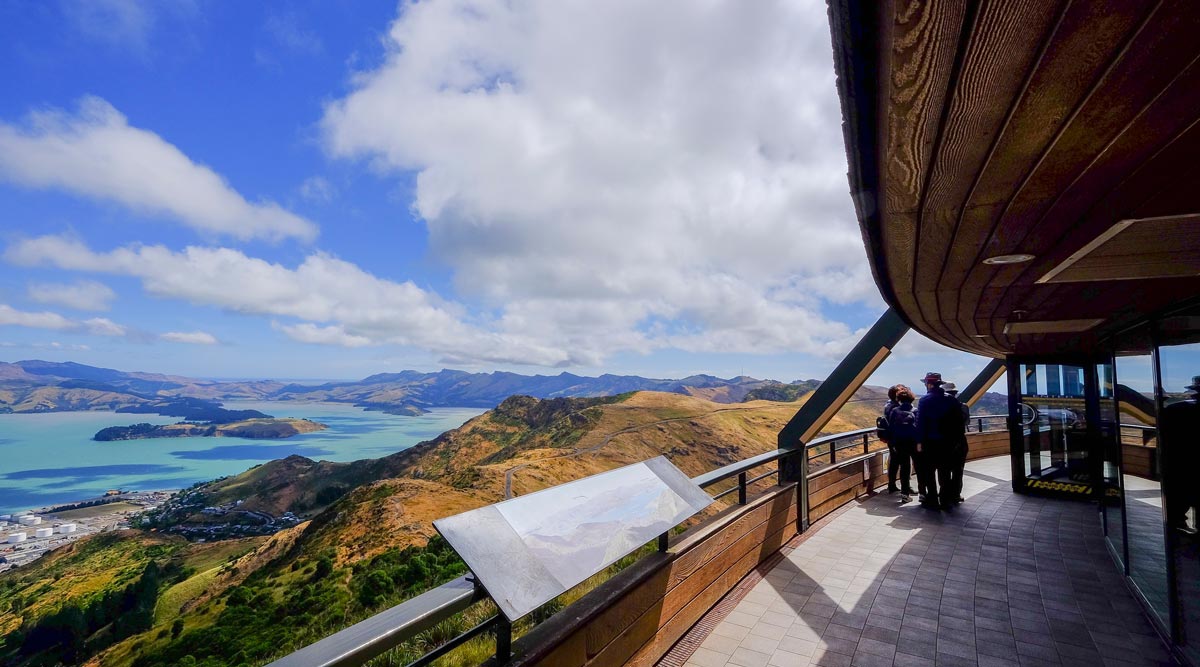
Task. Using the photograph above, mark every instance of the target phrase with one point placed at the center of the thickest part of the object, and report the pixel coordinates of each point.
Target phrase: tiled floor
(1004, 579)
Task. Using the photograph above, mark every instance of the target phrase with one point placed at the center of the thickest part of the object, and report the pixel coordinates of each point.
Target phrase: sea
(50, 458)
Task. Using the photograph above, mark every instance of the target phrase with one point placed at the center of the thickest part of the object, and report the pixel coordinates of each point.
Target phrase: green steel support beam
(982, 382)
(849, 375)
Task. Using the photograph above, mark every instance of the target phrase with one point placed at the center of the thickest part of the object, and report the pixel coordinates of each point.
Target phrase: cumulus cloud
(345, 304)
(95, 152)
(80, 295)
(671, 173)
(190, 337)
(97, 326)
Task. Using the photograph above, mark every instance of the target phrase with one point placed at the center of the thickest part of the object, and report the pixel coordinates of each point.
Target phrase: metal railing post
(866, 443)
(741, 488)
(503, 639)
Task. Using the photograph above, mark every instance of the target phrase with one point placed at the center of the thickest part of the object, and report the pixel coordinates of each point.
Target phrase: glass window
(1145, 544)
(1179, 428)
(1110, 434)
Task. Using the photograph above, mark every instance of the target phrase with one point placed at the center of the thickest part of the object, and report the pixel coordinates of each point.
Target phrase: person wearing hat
(939, 425)
(958, 453)
(1179, 424)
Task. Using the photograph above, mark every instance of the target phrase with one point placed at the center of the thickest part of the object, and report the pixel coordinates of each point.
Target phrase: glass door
(1052, 436)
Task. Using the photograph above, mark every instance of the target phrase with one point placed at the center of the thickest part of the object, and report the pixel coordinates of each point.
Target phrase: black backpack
(883, 430)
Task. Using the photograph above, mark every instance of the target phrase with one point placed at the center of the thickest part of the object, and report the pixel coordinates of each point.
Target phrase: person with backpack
(902, 423)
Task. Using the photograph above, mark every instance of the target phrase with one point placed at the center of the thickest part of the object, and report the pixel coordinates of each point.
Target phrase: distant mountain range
(42, 386)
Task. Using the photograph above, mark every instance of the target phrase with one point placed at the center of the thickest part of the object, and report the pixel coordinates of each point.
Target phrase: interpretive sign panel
(527, 550)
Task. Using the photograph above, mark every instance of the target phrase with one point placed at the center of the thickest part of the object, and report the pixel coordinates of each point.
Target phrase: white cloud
(97, 326)
(623, 176)
(330, 335)
(80, 295)
(10, 316)
(285, 30)
(52, 345)
(123, 23)
(317, 189)
(190, 337)
(96, 153)
(101, 326)
(347, 303)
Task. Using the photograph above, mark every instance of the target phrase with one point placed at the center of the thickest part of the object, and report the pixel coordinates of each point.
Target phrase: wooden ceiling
(979, 129)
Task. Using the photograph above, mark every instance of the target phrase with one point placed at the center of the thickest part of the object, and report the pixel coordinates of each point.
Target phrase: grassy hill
(369, 543)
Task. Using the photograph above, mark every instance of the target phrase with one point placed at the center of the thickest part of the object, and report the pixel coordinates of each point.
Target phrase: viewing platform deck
(1004, 579)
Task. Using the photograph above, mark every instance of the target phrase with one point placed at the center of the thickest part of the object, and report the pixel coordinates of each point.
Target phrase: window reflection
(1146, 547)
(1179, 366)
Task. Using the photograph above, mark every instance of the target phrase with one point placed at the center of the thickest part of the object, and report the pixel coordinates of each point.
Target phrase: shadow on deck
(1005, 579)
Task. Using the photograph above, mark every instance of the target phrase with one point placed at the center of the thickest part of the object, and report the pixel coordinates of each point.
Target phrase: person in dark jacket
(958, 453)
(902, 420)
(939, 424)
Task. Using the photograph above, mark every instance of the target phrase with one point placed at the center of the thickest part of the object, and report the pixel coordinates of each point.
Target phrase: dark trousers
(899, 458)
(938, 467)
(926, 475)
(958, 462)
(947, 473)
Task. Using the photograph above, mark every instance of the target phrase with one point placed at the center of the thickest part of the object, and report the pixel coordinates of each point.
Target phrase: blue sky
(333, 189)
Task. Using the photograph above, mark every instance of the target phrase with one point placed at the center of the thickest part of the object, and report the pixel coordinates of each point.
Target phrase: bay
(50, 458)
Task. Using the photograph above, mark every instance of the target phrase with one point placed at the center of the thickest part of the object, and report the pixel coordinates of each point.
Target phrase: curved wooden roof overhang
(1069, 131)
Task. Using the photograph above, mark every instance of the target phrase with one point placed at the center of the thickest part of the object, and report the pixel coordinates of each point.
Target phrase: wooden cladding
(1024, 127)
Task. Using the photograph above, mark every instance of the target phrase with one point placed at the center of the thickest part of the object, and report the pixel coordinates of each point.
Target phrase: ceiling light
(979, 335)
(1008, 259)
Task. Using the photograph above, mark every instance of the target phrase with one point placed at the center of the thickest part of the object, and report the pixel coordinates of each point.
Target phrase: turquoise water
(50, 458)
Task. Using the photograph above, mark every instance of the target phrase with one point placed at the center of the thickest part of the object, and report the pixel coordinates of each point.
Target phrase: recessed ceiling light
(1008, 259)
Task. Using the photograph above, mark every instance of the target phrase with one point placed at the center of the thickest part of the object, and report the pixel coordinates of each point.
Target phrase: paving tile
(744, 657)
(826, 658)
(909, 660)
(768, 631)
(781, 658)
(704, 657)
(720, 644)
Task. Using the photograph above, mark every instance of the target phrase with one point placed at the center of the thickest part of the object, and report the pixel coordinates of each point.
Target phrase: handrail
(388, 629)
(364, 640)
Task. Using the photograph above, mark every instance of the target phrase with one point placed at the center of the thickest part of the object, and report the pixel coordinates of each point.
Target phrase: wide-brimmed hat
(1195, 385)
(949, 387)
(935, 378)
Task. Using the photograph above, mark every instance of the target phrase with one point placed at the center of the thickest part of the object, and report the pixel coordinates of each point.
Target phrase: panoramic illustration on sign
(528, 550)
